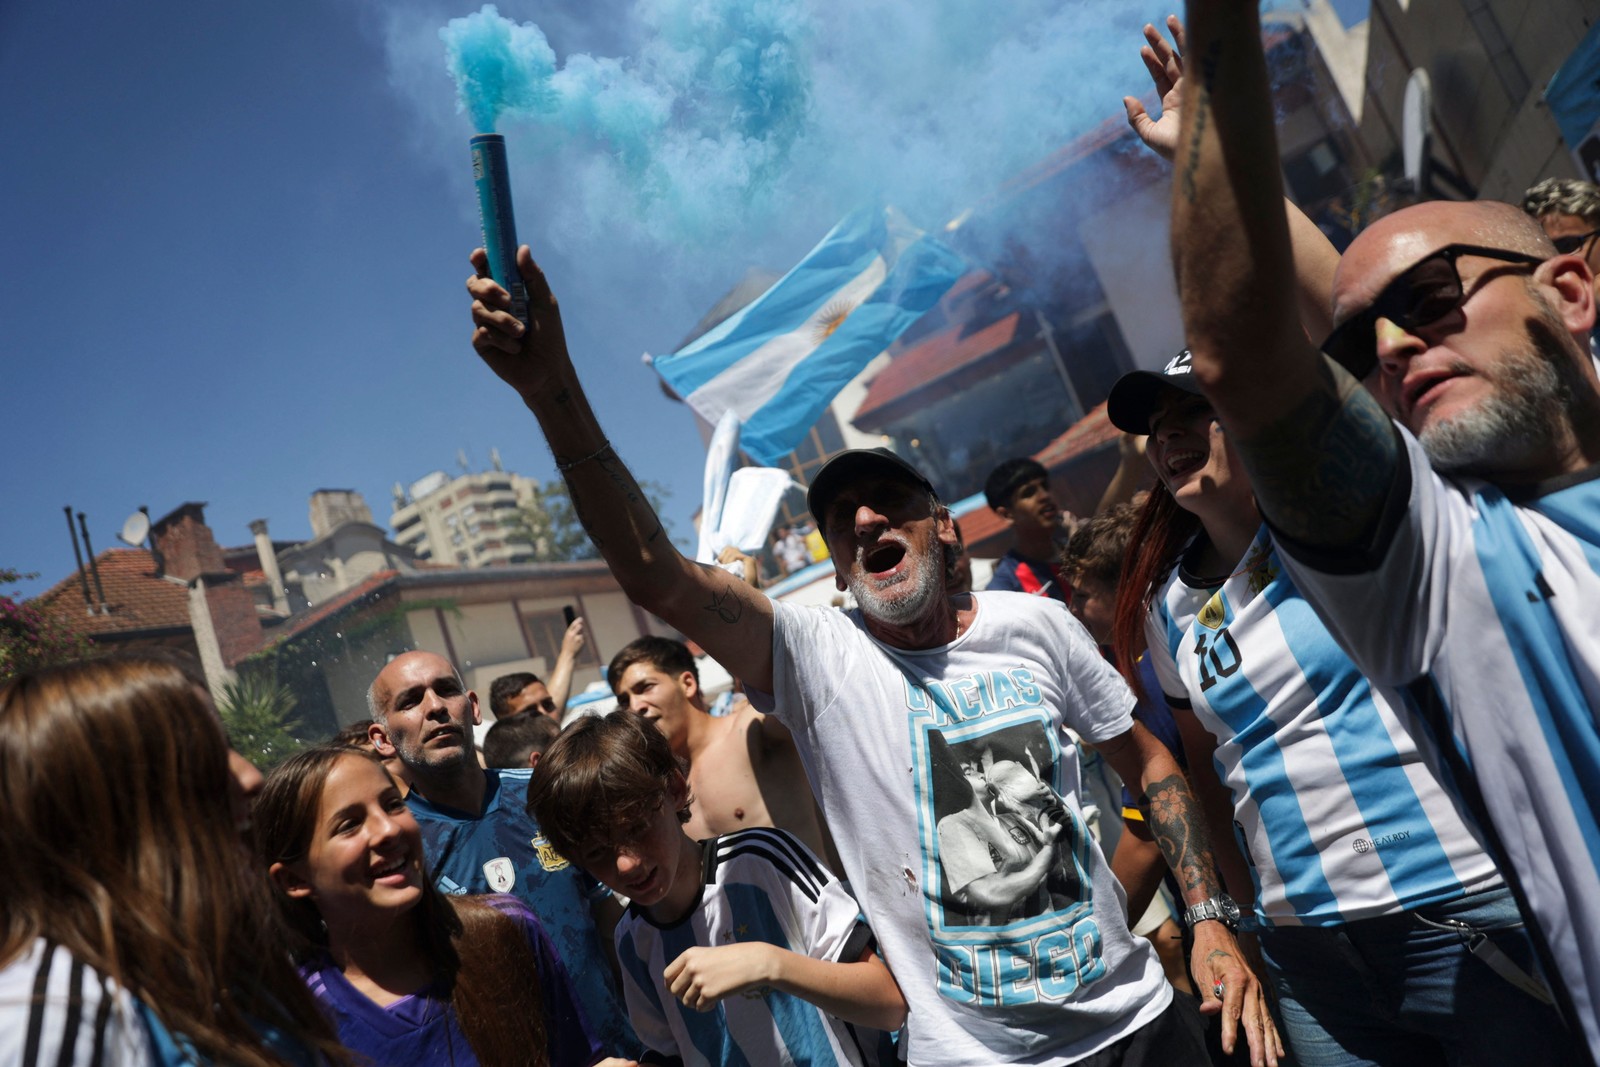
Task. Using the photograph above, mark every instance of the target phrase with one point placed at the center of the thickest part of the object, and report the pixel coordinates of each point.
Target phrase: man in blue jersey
(1019, 491)
(478, 835)
(1453, 550)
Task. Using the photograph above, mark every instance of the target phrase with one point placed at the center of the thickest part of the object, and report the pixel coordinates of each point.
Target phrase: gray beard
(1521, 418)
(910, 605)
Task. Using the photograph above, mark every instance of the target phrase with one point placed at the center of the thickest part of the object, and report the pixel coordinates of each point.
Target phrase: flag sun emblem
(831, 317)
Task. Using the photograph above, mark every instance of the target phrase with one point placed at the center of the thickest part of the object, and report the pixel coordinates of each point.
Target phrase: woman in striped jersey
(134, 929)
(1388, 932)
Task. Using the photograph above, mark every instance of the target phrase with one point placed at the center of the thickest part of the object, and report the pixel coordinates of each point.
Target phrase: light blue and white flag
(779, 361)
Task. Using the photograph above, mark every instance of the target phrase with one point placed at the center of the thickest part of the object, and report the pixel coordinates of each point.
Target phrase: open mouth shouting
(883, 561)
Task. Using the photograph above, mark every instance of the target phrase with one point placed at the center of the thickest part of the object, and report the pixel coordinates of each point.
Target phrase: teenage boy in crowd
(1019, 491)
(765, 949)
(742, 767)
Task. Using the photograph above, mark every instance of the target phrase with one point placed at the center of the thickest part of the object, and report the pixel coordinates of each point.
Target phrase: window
(545, 630)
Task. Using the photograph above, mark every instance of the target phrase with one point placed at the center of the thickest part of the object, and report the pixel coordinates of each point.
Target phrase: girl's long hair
(479, 957)
(120, 845)
(1157, 541)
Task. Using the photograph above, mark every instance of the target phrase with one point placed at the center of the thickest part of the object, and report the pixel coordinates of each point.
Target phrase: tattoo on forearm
(1202, 118)
(727, 606)
(1323, 471)
(1179, 830)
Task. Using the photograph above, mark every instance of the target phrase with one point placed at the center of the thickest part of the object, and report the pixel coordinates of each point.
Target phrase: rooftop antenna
(77, 554)
(94, 566)
(461, 461)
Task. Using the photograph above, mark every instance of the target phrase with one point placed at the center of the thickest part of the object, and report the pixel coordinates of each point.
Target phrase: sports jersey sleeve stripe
(798, 854)
(806, 885)
(859, 941)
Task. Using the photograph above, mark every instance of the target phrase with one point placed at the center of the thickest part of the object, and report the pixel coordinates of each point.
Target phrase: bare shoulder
(764, 735)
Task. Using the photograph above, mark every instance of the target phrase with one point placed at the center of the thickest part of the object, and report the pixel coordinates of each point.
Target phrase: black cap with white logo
(1134, 396)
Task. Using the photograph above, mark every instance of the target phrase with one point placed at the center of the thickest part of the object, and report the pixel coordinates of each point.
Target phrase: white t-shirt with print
(895, 742)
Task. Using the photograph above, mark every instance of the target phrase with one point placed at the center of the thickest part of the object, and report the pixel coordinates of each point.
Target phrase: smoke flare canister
(493, 180)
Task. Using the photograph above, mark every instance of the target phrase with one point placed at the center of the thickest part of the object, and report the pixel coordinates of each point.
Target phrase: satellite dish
(135, 530)
(1416, 128)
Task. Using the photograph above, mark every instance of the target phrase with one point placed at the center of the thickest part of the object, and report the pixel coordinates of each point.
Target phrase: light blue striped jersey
(1338, 807)
(1490, 603)
(760, 885)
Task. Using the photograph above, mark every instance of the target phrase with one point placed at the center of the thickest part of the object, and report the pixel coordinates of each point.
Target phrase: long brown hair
(479, 957)
(120, 846)
(1158, 539)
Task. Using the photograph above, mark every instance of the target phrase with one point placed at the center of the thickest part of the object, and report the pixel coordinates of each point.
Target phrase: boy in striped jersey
(1457, 553)
(748, 931)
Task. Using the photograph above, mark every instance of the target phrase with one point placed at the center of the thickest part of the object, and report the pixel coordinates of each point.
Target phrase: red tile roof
(1085, 435)
(139, 599)
(937, 356)
(307, 619)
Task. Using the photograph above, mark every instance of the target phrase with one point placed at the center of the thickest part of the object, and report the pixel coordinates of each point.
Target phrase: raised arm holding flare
(1453, 555)
(730, 620)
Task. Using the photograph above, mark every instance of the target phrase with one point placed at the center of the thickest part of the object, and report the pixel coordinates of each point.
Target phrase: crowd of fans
(1340, 657)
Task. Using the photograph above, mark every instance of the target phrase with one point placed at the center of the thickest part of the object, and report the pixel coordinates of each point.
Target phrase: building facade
(470, 520)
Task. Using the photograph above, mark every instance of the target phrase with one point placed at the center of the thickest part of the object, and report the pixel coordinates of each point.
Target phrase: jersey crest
(549, 858)
(500, 874)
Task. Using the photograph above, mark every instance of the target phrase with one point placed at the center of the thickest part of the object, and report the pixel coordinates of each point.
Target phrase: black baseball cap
(1134, 396)
(851, 465)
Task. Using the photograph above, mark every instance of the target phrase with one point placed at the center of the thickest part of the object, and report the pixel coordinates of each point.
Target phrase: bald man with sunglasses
(1450, 537)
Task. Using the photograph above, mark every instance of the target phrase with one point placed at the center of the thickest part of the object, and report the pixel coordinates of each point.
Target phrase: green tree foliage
(258, 713)
(29, 639)
(552, 525)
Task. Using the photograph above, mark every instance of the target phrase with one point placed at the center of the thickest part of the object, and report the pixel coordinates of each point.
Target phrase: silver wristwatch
(1220, 907)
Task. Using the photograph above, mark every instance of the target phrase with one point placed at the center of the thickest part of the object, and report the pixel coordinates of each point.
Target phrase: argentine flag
(778, 361)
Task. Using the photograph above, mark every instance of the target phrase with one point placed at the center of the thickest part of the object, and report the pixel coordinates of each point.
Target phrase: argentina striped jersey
(1339, 806)
(760, 885)
(1488, 604)
(54, 1009)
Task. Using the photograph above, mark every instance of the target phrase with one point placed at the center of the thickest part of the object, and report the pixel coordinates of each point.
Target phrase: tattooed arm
(1320, 453)
(729, 619)
(1178, 826)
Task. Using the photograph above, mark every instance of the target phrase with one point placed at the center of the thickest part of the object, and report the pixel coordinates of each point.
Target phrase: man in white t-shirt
(885, 703)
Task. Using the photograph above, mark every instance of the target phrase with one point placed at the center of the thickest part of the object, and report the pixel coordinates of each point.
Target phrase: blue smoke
(736, 116)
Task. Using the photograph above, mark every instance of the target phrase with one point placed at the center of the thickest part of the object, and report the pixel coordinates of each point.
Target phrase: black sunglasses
(1571, 243)
(1421, 294)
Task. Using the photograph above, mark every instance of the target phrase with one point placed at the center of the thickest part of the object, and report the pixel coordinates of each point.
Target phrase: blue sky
(235, 236)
